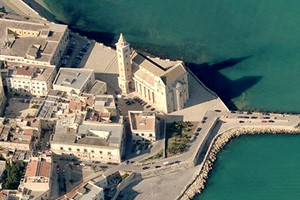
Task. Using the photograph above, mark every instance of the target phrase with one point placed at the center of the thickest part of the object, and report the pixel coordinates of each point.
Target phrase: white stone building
(162, 83)
(143, 126)
(74, 81)
(32, 43)
(105, 104)
(90, 141)
(30, 80)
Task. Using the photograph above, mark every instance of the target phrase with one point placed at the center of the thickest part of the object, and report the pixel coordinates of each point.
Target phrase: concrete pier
(234, 125)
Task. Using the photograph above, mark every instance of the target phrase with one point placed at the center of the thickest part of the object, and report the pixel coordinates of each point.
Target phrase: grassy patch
(178, 134)
(35, 106)
(124, 176)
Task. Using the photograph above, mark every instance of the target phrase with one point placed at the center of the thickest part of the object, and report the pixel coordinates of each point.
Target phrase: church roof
(174, 70)
(173, 73)
(143, 75)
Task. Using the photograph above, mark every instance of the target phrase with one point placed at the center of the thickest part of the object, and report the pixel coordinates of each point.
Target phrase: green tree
(14, 172)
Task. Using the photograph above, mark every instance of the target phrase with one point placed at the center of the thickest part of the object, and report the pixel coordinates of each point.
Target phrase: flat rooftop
(19, 38)
(73, 78)
(96, 88)
(35, 72)
(87, 191)
(88, 133)
(114, 133)
(142, 121)
(104, 100)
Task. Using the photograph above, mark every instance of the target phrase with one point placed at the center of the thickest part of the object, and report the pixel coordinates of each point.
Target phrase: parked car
(138, 152)
(166, 163)
(144, 168)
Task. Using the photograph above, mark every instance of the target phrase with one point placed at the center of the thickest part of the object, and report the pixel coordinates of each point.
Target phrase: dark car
(144, 168)
(199, 129)
(157, 166)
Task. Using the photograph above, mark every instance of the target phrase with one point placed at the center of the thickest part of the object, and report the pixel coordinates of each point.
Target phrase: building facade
(143, 126)
(30, 79)
(162, 83)
(90, 141)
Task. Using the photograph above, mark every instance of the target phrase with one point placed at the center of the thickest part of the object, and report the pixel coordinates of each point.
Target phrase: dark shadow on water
(226, 88)
(229, 62)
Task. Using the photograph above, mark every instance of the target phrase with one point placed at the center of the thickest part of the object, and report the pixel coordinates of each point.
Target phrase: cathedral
(161, 83)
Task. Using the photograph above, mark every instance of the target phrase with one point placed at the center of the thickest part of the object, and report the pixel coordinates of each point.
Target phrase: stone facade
(162, 83)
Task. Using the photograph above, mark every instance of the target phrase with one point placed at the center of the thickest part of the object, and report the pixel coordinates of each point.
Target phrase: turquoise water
(266, 33)
(256, 167)
(200, 31)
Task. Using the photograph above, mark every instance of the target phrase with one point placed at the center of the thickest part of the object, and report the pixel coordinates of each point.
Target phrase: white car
(138, 152)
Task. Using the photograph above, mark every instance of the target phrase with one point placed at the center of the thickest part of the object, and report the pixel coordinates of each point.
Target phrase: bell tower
(124, 65)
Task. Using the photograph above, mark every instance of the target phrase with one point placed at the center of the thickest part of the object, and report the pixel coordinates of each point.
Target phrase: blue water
(256, 167)
(200, 31)
(246, 51)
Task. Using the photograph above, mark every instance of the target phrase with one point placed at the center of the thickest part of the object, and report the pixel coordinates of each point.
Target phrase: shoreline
(108, 39)
(197, 185)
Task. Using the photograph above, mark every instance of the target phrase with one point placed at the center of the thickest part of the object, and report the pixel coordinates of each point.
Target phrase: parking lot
(77, 51)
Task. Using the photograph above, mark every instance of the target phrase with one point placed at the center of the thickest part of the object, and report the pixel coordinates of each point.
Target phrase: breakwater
(198, 183)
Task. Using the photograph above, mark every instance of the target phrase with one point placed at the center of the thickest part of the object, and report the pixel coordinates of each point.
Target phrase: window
(78, 150)
(85, 150)
(150, 135)
(70, 149)
(142, 134)
(92, 151)
(109, 153)
(137, 134)
(61, 148)
(100, 152)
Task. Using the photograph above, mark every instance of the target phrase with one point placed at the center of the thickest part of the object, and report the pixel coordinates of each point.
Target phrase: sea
(246, 51)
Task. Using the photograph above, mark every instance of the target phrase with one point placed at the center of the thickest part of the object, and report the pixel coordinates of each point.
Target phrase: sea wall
(198, 183)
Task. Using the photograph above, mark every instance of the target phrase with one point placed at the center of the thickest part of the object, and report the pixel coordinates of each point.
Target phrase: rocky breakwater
(198, 184)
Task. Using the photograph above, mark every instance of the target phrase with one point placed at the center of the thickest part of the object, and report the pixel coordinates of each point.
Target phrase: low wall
(198, 184)
(202, 144)
(166, 170)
